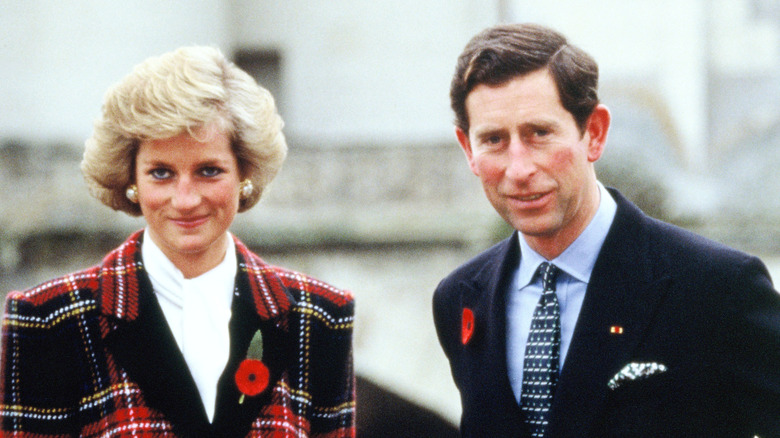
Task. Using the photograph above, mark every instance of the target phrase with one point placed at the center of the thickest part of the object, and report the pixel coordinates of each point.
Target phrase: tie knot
(549, 273)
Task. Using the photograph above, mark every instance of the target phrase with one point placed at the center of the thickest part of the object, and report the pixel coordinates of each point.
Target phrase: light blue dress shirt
(576, 264)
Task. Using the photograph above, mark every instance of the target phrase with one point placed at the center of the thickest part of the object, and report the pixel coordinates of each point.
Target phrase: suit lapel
(232, 418)
(624, 290)
(147, 350)
(485, 294)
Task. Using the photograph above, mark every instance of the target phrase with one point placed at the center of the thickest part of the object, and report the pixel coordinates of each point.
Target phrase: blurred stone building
(375, 195)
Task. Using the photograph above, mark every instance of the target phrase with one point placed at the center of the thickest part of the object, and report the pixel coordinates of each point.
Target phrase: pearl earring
(247, 188)
(132, 194)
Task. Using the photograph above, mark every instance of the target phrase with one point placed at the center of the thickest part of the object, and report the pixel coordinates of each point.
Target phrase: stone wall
(348, 195)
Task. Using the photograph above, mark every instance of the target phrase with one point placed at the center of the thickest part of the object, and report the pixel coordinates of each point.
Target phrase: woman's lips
(190, 222)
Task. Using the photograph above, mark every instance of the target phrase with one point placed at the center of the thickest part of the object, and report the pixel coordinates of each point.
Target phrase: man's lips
(529, 197)
(532, 200)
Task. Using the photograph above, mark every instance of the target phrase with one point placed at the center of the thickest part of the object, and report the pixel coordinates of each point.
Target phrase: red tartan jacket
(90, 354)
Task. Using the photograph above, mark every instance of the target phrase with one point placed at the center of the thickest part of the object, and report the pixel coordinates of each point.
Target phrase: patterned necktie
(540, 369)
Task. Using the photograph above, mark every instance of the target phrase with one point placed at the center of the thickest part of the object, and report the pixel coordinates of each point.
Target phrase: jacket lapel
(147, 350)
(485, 295)
(233, 418)
(624, 290)
(143, 345)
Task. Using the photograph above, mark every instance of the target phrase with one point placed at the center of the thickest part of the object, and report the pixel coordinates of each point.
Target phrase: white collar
(169, 282)
(579, 258)
(198, 312)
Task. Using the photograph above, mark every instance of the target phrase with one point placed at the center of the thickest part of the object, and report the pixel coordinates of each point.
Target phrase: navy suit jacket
(707, 312)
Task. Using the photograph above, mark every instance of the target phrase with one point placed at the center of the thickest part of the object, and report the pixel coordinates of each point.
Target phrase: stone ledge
(350, 195)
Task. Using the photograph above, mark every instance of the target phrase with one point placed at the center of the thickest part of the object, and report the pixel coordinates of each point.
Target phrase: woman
(181, 330)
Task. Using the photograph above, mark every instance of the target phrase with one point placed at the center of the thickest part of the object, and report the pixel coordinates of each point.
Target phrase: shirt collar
(168, 281)
(579, 258)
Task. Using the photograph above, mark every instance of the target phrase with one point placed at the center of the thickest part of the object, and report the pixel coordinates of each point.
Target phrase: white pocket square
(635, 371)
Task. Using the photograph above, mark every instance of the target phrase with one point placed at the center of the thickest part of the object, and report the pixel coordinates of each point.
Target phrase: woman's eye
(210, 171)
(160, 173)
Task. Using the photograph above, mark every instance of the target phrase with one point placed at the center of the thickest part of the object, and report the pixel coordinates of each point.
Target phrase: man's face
(535, 165)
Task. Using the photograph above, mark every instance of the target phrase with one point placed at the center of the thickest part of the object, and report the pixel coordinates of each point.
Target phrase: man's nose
(520, 164)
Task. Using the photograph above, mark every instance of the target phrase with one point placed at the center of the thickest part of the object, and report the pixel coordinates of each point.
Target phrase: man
(592, 319)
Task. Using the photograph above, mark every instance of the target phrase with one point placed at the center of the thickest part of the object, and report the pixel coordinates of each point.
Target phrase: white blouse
(198, 313)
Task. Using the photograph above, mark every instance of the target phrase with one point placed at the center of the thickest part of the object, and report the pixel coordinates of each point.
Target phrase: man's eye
(492, 140)
(160, 173)
(210, 171)
(541, 132)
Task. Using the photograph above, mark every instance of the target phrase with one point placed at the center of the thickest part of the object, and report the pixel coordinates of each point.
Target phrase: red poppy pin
(252, 375)
(467, 326)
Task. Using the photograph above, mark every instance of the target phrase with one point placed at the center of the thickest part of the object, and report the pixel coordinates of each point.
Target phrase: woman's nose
(186, 195)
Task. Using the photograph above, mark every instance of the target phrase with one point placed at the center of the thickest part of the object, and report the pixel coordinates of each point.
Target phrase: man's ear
(597, 129)
(465, 144)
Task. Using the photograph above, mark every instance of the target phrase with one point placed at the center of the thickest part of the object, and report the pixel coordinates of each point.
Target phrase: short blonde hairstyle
(178, 92)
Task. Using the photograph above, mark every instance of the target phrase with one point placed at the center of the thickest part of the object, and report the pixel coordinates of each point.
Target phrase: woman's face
(188, 190)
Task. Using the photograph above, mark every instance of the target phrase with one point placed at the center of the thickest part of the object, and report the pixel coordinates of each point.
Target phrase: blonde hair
(178, 92)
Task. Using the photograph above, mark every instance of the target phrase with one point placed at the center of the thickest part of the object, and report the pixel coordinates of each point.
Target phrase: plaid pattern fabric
(60, 379)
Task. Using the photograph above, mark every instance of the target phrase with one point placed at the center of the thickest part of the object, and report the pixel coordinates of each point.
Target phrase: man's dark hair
(501, 53)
